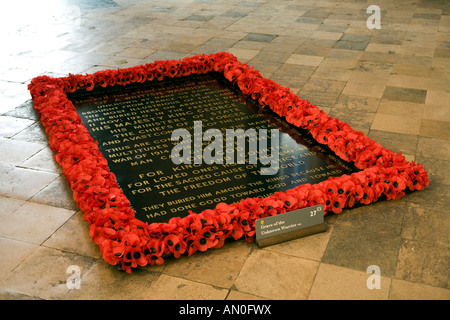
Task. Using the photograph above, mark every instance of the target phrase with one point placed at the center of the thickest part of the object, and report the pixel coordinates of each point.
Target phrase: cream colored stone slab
(9, 126)
(43, 160)
(396, 123)
(276, 276)
(243, 54)
(236, 295)
(33, 222)
(405, 81)
(364, 89)
(439, 98)
(13, 253)
(326, 35)
(401, 108)
(216, 267)
(43, 274)
(405, 290)
(15, 151)
(337, 283)
(73, 236)
(436, 112)
(105, 282)
(23, 183)
(302, 59)
(173, 288)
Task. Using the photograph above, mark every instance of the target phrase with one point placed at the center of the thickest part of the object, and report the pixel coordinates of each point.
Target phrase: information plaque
(290, 225)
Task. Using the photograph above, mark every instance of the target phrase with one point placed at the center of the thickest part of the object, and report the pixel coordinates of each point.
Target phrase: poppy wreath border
(128, 242)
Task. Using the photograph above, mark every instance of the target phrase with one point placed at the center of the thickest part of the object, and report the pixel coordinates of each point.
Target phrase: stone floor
(391, 83)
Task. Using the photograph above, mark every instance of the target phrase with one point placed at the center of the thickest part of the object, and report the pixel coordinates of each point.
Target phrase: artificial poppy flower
(173, 244)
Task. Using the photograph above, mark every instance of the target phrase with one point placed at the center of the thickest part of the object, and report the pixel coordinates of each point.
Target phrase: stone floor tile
(396, 123)
(262, 276)
(73, 236)
(405, 290)
(364, 89)
(356, 103)
(104, 282)
(43, 274)
(23, 183)
(439, 98)
(43, 160)
(15, 152)
(426, 225)
(172, 288)
(405, 81)
(397, 142)
(236, 295)
(9, 126)
(13, 253)
(400, 108)
(424, 262)
(331, 73)
(57, 194)
(433, 148)
(337, 283)
(302, 59)
(435, 129)
(359, 239)
(351, 45)
(244, 54)
(33, 222)
(324, 85)
(405, 94)
(34, 133)
(215, 267)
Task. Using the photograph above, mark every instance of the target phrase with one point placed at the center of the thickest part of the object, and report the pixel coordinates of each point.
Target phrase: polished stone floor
(391, 83)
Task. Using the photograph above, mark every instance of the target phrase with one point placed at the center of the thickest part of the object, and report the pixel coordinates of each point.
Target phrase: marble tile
(13, 252)
(73, 236)
(43, 160)
(356, 103)
(364, 89)
(396, 123)
(215, 267)
(57, 194)
(433, 148)
(439, 98)
(424, 262)
(405, 290)
(33, 222)
(9, 126)
(262, 276)
(400, 108)
(104, 282)
(435, 129)
(324, 85)
(172, 288)
(23, 183)
(405, 94)
(397, 142)
(337, 283)
(15, 152)
(244, 54)
(302, 59)
(43, 274)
